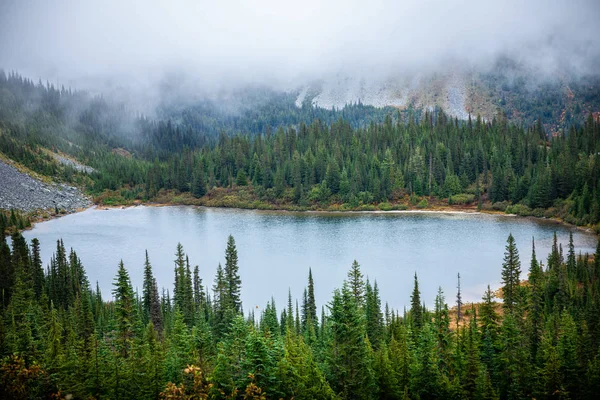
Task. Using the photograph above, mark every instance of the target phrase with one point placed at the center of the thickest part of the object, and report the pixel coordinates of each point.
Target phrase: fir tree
(416, 310)
(232, 276)
(124, 310)
(357, 285)
(511, 270)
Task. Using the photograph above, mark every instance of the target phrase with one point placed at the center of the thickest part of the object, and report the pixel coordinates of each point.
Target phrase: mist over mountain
(151, 53)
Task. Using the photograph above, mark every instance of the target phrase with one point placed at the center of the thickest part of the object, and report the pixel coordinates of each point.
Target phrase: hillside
(21, 191)
(521, 95)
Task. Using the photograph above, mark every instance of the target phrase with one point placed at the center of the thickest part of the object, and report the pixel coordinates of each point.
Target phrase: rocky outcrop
(74, 164)
(20, 191)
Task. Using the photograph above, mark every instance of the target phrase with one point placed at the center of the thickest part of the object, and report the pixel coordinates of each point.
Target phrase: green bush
(538, 212)
(423, 204)
(500, 206)
(462, 198)
(385, 206)
(518, 209)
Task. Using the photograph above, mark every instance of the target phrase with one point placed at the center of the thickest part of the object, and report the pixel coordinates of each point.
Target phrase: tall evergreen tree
(416, 310)
(124, 310)
(356, 283)
(350, 364)
(232, 276)
(311, 303)
(511, 270)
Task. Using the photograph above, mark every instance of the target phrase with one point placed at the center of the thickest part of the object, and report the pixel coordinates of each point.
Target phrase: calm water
(276, 249)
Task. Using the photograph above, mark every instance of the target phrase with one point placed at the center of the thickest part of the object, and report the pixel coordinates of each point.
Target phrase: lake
(276, 249)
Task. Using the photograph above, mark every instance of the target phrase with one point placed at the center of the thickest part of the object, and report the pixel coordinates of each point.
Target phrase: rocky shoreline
(25, 193)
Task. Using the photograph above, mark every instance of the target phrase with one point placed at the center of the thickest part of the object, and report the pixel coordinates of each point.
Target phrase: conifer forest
(60, 335)
(295, 200)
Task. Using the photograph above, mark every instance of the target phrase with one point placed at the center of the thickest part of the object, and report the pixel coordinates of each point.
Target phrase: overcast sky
(83, 42)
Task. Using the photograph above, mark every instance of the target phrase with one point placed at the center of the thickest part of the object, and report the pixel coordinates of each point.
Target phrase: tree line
(319, 158)
(61, 336)
(384, 164)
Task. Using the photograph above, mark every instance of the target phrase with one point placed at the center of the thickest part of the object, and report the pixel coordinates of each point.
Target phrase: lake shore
(436, 207)
(449, 210)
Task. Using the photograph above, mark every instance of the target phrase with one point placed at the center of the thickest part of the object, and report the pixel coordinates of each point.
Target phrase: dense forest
(62, 338)
(357, 158)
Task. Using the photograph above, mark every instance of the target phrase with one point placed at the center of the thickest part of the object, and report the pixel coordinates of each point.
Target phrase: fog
(100, 44)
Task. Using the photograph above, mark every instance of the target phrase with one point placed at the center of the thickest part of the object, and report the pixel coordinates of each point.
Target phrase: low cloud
(123, 44)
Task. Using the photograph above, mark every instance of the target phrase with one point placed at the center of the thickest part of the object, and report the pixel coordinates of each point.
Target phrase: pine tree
(511, 270)
(458, 300)
(571, 261)
(220, 303)
(472, 371)
(199, 185)
(386, 378)
(416, 310)
(199, 296)
(357, 285)
(374, 317)
(180, 280)
(298, 374)
(428, 381)
(311, 303)
(513, 358)
(7, 271)
(290, 313)
(147, 288)
(352, 373)
(37, 269)
(569, 369)
(188, 295)
(442, 327)
(489, 331)
(124, 310)
(232, 276)
(535, 318)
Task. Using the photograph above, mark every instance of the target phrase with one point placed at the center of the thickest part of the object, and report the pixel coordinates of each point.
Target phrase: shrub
(463, 198)
(423, 204)
(518, 209)
(385, 206)
(538, 212)
(500, 206)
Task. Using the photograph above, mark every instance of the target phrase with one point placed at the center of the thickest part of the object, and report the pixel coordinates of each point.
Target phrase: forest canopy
(60, 336)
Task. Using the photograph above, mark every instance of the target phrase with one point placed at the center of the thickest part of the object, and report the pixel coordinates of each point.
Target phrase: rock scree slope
(20, 191)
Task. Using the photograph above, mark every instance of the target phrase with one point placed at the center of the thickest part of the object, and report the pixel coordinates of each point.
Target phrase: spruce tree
(220, 303)
(373, 315)
(7, 271)
(458, 300)
(124, 310)
(179, 287)
(147, 288)
(416, 310)
(310, 300)
(511, 270)
(232, 276)
(199, 296)
(353, 374)
(188, 307)
(535, 319)
(356, 283)
(37, 269)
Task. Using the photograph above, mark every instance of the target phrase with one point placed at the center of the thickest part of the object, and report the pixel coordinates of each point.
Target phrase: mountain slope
(23, 192)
